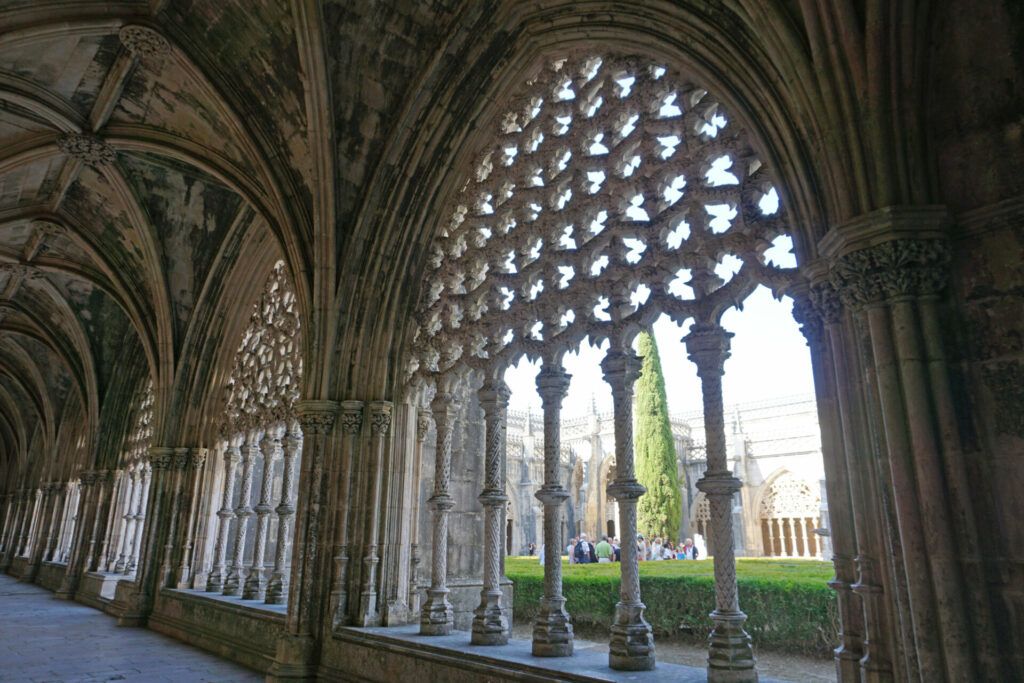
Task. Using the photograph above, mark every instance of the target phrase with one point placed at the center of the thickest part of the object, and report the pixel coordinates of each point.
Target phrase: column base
(294, 660)
(233, 584)
(277, 590)
(490, 621)
(846, 664)
(255, 586)
(730, 656)
(631, 647)
(552, 632)
(368, 615)
(437, 617)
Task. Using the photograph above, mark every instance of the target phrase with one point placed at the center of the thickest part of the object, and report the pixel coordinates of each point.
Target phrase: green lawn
(789, 605)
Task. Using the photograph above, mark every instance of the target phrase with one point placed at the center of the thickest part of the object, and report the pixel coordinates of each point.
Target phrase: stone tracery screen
(614, 190)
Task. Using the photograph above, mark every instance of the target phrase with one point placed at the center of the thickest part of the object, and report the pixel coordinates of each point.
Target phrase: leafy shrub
(788, 604)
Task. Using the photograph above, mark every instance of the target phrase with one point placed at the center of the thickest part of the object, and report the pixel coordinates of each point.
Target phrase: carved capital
(181, 458)
(621, 370)
(707, 345)
(351, 417)
(160, 457)
(380, 418)
(317, 417)
(805, 314)
(143, 42)
(891, 270)
(86, 147)
(199, 456)
(552, 384)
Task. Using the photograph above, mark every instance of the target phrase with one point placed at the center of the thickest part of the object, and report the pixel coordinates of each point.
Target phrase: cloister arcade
(264, 266)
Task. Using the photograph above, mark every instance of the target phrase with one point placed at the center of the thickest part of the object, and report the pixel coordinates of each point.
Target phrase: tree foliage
(659, 509)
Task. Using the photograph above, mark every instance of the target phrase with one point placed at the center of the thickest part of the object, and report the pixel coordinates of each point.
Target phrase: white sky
(769, 359)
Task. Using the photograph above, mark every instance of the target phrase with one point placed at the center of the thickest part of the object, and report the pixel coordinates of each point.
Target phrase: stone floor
(45, 639)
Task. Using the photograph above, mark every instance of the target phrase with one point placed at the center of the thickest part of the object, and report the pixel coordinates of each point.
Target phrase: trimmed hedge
(789, 606)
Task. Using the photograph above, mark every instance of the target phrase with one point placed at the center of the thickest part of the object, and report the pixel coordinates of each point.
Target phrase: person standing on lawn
(656, 549)
(604, 551)
(616, 550)
(569, 550)
(584, 551)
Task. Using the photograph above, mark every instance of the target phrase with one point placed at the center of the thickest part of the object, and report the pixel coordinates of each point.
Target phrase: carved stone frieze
(894, 269)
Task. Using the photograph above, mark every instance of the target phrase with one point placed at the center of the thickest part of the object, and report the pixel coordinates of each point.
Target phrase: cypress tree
(659, 509)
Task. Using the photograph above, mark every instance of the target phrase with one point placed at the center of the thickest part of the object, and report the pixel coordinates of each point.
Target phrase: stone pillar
(490, 619)
(140, 517)
(29, 522)
(59, 511)
(277, 588)
(552, 630)
(128, 521)
(79, 543)
(730, 657)
(770, 550)
(115, 524)
(890, 268)
(351, 425)
(215, 581)
(437, 617)
(632, 640)
(234, 581)
(197, 460)
(296, 649)
(380, 427)
(423, 420)
(42, 534)
(256, 582)
(112, 505)
(98, 519)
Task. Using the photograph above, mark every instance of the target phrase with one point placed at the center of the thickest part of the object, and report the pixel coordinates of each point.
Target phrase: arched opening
(615, 192)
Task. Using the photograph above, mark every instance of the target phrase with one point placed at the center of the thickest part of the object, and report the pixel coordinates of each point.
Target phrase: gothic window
(789, 514)
(251, 555)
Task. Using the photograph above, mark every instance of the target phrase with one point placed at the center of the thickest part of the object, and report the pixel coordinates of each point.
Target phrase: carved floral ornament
(267, 371)
(143, 42)
(615, 190)
(87, 148)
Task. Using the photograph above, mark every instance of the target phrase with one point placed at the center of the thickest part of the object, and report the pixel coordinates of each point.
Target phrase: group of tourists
(666, 550)
(581, 551)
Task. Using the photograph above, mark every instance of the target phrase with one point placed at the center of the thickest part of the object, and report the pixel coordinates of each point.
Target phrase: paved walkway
(45, 639)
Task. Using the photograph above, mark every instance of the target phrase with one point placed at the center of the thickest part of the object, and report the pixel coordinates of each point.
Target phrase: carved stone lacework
(615, 190)
(137, 449)
(790, 497)
(267, 371)
(260, 399)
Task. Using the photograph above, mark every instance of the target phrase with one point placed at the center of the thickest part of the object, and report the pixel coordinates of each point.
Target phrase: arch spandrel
(613, 190)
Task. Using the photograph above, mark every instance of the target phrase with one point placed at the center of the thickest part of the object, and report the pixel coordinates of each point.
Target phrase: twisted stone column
(490, 619)
(140, 518)
(128, 521)
(256, 582)
(277, 587)
(351, 424)
(380, 427)
(552, 631)
(437, 617)
(730, 657)
(234, 580)
(632, 642)
(215, 581)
